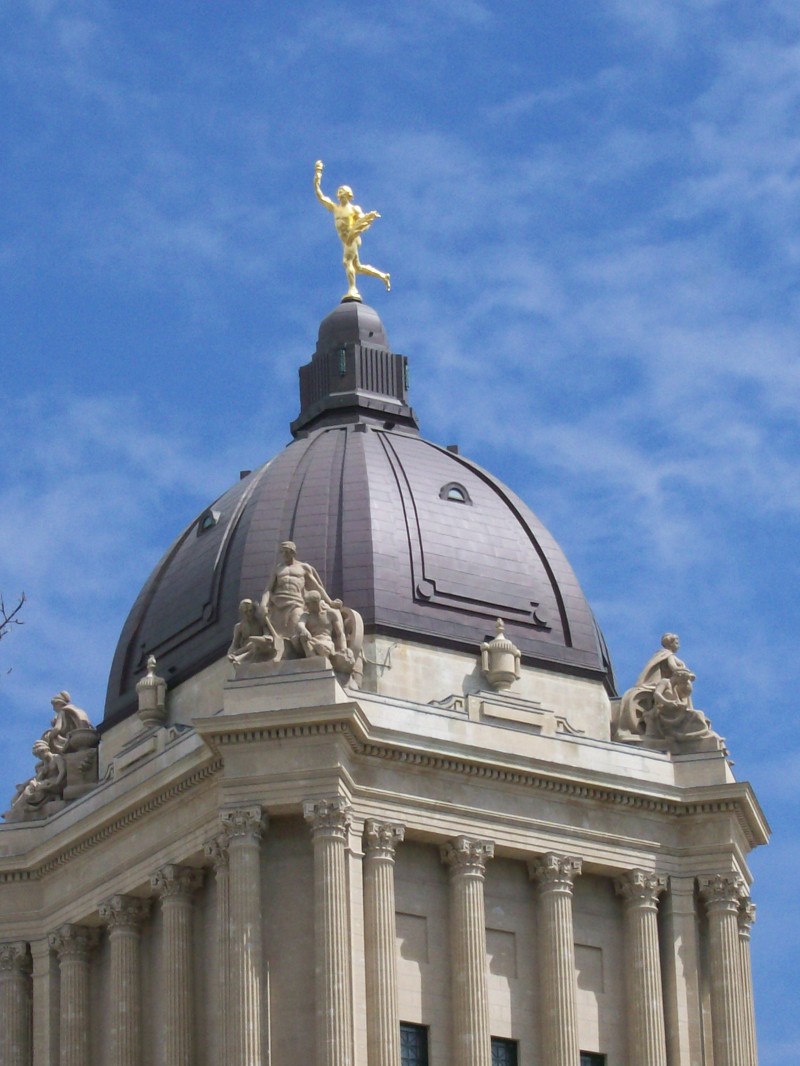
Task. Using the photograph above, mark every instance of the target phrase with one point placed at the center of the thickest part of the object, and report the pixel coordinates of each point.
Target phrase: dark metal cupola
(353, 375)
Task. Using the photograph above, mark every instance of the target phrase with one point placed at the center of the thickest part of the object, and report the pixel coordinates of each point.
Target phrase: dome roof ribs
(366, 505)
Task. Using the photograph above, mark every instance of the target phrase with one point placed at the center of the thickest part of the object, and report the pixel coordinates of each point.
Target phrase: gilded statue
(350, 222)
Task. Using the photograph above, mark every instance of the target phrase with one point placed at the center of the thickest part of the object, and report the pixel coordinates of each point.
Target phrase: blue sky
(590, 214)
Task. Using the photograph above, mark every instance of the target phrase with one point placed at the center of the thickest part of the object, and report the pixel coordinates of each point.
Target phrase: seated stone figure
(47, 783)
(638, 701)
(321, 631)
(254, 637)
(70, 729)
(672, 716)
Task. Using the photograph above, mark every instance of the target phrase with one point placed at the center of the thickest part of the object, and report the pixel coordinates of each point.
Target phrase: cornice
(348, 721)
(90, 839)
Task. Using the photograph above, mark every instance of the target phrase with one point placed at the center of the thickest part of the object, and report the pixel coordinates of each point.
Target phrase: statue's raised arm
(350, 222)
(326, 201)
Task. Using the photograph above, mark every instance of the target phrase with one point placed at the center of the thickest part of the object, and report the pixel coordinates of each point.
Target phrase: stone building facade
(377, 825)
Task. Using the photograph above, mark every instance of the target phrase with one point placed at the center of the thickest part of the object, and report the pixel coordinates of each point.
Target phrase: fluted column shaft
(722, 895)
(216, 851)
(123, 915)
(746, 917)
(330, 823)
(243, 828)
(557, 976)
(73, 945)
(176, 885)
(466, 859)
(380, 936)
(647, 1042)
(15, 1004)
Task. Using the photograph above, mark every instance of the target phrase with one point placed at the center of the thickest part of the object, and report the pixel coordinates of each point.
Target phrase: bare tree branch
(9, 618)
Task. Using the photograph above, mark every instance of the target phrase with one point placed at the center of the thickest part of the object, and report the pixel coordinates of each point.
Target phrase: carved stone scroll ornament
(500, 659)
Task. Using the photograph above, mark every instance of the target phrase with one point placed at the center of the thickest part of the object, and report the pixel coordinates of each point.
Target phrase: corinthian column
(243, 828)
(123, 915)
(557, 976)
(15, 1004)
(216, 851)
(330, 824)
(73, 945)
(176, 885)
(746, 917)
(646, 1033)
(722, 895)
(466, 859)
(383, 1020)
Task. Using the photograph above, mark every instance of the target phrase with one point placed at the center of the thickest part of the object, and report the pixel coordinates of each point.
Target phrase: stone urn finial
(500, 659)
(152, 693)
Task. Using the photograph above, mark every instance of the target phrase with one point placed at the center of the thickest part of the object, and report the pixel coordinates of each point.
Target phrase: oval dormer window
(454, 493)
(207, 521)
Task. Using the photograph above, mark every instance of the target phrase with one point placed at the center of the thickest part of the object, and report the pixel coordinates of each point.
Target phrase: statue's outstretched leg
(364, 268)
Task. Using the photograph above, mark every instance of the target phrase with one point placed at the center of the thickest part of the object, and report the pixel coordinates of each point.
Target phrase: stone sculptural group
(66, 766)
(658, 710)
(296, 618)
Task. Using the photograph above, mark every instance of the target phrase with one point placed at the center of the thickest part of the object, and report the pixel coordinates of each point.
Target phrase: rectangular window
(592, 1058)
(413, 1044)
(504, 1052)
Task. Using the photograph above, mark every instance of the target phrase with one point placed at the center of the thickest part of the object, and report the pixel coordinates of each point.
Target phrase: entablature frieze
(347, 722)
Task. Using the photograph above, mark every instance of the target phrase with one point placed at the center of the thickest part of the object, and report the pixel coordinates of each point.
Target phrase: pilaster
(243, 828)
(466, 860)
(646, 1032)
(15, 1004)
(681, 965)
(383, 1020)
(123, 916)
(74, 944)
(330, 824)
(722, 895)
(555, 875)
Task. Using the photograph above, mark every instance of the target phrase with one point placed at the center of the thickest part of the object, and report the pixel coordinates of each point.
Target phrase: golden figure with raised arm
(350, 222)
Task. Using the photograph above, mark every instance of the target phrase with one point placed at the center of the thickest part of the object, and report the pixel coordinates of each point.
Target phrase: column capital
(216, 851)
(14, 957)
(746, 917)
(328, 817)
(73, 941)
(176, 882)
(722, 892)
(124, 912)
(640, 888)
(243, 822)
(467, 854)
(555, 871)
(382, 838)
